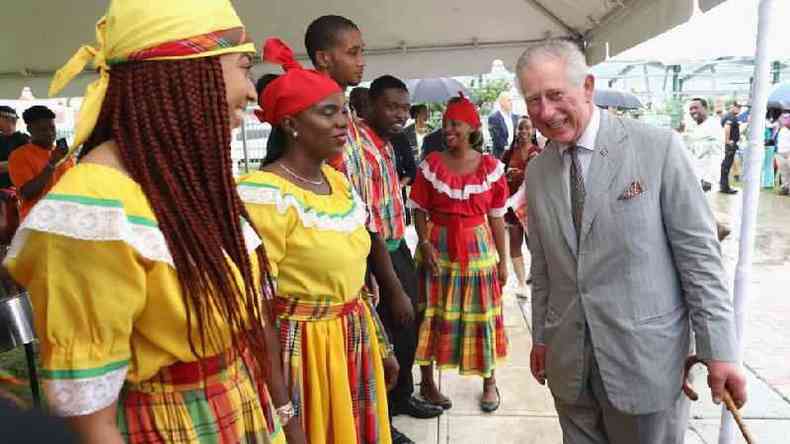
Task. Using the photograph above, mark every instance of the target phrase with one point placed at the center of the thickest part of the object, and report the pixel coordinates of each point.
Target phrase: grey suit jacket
(644, 266)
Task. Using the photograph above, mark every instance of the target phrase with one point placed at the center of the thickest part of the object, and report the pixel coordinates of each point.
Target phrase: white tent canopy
(729, 30)
(408, 38)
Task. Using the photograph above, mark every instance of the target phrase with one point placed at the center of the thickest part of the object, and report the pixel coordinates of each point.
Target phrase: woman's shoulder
(97, 186)
(342, 210)
(97, 203)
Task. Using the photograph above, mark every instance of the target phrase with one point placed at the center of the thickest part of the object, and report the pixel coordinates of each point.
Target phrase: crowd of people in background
(715, 144)
(286, 305)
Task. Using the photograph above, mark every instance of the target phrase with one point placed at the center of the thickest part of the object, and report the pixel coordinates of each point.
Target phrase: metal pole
(30, 354)
(244, 146)
(751, 191)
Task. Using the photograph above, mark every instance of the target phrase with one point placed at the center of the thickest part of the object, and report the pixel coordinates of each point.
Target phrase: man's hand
(727, 375)
(56, 156)
(401, 308)
(537, 363)
(391, 369)
(512, 172)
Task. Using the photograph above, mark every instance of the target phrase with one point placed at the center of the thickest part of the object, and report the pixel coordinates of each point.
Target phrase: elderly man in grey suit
(625, 261)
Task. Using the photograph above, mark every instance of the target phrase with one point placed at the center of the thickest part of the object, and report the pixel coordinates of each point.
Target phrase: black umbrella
(439, 89)
(617, 99)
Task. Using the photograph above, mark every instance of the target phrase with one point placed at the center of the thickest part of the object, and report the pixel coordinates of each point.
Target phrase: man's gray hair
(564, 50)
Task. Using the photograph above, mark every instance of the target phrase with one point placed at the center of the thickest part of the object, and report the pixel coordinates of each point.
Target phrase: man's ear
(322, 60)
(589, 87)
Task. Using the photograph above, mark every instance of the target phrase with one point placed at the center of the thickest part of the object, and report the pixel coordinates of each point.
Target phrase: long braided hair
(171, 124)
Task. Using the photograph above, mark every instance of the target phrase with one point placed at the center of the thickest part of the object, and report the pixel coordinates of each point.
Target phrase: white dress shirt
(587, 144)
(508, 118)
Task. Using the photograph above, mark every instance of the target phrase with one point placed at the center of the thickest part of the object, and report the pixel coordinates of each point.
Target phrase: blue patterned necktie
(577, 191)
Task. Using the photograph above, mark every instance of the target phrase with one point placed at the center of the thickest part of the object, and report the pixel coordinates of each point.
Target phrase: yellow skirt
(334, 371)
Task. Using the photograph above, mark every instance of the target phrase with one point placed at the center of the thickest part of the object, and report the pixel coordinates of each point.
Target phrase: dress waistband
(457, 220)
(181, 376)
(300, 310)
(455, 224)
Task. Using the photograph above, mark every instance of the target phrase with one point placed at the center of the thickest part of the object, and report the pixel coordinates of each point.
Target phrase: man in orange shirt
(34, 167)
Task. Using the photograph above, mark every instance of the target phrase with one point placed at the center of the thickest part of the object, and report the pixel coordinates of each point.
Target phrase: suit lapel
(559, 192)
(606, 162)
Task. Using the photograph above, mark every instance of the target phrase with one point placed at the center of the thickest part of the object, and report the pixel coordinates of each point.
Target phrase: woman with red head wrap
(460, 198)
(314, 227)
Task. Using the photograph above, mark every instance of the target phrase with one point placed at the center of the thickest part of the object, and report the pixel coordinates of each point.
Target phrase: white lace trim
(497, 212)
(83, 396)
(102, 223)
(309, 217)
(468, 190)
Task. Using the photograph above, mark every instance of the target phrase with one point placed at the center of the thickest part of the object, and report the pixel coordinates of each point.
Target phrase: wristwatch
(285, 413)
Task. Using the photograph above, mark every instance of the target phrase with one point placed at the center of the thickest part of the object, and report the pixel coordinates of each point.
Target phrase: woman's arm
(276, 384)
(497, 225)
(424, 245)
(98, 427)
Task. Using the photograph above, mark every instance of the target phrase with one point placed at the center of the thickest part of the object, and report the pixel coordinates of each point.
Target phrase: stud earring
(296, 134)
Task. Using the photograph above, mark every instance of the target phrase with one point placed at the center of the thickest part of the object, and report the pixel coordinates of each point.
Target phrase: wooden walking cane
(727, 398)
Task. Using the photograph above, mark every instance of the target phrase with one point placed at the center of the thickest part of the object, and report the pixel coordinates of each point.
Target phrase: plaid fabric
(214, 400)
(463, 325)
(296, 339)
(296, 310)
(370, 167)
(193, 45)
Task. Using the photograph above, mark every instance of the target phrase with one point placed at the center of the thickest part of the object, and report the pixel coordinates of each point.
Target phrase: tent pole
(751, 191)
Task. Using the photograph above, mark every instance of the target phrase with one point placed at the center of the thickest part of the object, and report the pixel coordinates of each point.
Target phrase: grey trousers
(593, 420)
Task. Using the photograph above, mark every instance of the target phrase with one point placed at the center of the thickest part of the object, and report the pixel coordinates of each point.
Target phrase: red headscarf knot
(278, 52)
(294, 91)
(462, 109)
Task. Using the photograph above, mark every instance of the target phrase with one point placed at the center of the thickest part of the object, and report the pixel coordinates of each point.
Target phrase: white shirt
(508, 117)
(783, 141)
(587, 143)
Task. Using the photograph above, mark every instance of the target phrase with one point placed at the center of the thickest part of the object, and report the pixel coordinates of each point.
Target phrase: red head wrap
(294, 91)
(462, 109)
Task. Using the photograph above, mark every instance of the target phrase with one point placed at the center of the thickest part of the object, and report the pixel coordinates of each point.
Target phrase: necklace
(298, 177)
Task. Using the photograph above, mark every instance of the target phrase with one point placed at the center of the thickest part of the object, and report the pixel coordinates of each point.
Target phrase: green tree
(486, 94)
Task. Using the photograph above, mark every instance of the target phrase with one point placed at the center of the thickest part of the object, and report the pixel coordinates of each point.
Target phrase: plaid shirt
(369, 164)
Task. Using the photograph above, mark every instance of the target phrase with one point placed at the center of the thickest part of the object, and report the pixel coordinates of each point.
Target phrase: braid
(170, 122)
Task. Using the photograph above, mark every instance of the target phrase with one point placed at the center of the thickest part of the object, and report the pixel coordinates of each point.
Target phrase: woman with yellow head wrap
(149, 285)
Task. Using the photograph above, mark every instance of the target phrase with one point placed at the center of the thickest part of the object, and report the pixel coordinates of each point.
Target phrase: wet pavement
(527, 412)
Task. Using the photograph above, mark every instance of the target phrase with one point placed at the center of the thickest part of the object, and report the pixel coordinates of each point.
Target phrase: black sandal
(490, 407)
(445, 403)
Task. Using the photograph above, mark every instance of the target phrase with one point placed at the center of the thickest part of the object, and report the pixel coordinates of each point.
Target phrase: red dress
(463, 325)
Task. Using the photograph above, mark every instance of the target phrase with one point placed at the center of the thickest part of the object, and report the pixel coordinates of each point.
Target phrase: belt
(299, 310)
(455, 224)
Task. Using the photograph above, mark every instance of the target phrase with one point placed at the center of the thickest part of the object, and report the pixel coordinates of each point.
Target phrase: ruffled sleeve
(420, 194)
(274, 223)
(86, 295)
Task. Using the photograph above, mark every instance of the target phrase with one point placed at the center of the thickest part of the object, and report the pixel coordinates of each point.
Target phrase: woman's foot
(432, 395)
(491, 399)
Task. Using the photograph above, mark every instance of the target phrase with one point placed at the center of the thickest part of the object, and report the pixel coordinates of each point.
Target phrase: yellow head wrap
(134, 30)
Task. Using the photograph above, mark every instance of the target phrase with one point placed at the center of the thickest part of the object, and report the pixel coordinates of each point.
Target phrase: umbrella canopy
(617, 99)
(780, 97)
(439, 89)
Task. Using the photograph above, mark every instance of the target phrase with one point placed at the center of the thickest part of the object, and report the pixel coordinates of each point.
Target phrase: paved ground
(527, 413)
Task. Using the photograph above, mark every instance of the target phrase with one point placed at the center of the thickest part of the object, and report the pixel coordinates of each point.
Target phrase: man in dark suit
(433, 142)
(502, 125)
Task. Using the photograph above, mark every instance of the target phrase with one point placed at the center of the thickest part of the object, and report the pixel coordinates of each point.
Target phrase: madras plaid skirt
(215, 400)
(463, 325)
(333, 369)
